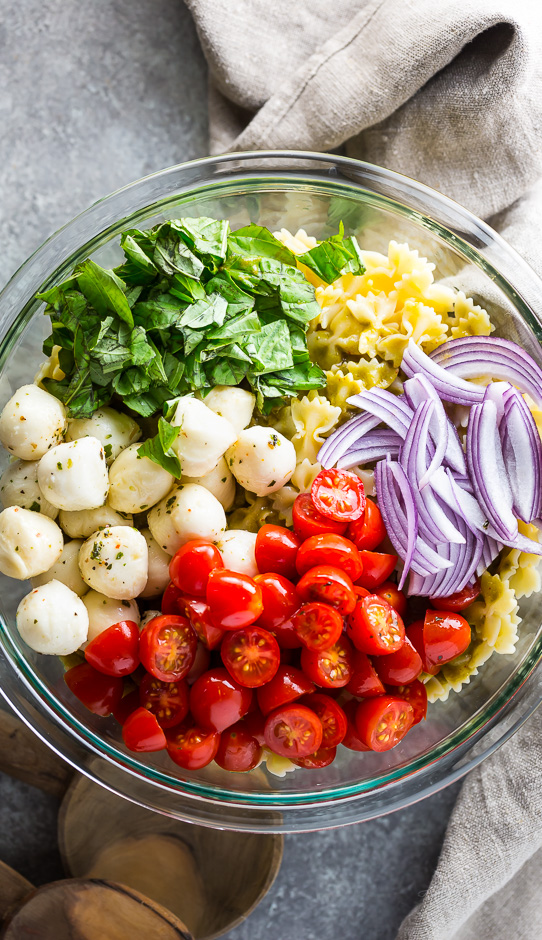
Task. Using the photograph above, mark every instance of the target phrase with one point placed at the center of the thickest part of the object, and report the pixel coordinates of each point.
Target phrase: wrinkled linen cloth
(450, 93)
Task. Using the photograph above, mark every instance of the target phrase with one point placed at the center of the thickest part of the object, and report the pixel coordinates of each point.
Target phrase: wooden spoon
(13, 888)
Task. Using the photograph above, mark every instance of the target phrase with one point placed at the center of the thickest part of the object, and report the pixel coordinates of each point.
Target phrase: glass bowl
(314, 192)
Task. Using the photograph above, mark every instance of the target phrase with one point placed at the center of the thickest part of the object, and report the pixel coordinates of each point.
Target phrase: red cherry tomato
(330, 586)
(369, 530)
(445, 636)
(167, 647)
(331, 715)
(142, 733)
(286, 636)
(365, 682)
(126, 706)
(238, 750)
(191, 747)
(99, 693)
(115, 651)
(280, 600)
(382, 722)
(414, 632)
(172, 600)
(234, 599)
(321, 758)
(339, 495)
(460, 600)
(288, 684)
(318, 626)
(391, 593)
(332, 668)
(415, 694)
(375, 627)
(276, 550)
(200, 665)
(191, 565)
(254, 723)
(352, 739)
(218, 701)
(308, 521)
(293, 731)
(199, 615)
(329, 549)
(251, 656)
(168, 701)
(401, 667)
(377, 568)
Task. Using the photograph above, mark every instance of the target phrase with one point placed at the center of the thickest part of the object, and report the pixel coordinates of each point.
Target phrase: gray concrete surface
(92, 96)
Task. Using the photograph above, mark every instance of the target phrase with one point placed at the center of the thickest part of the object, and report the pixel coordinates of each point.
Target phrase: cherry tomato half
(251, 656)
(238, 750)
(329, 549)
(191, 565)
(200, 665)
(115, 651)
(218, 701)
(369, 530)
(318, 626)
(126, 706)
(167, 647)
(339, 495)
(329, 586)
(288, 684)
(191, 747)
(142, 733)
(323, 757)
(391, 593)
(331, 668)
(308, 521)
(375, 627)
(382, 722)
(445, 636)
(280, 599)
(276, 550)
(199, 615)
(415, 694)
(234, 599)
(414, 632)
(172, 600)
(401, 667)
(293, 731)
(99, 693)
(460, 600)
(377, 568)
(330, 714)
(365, 682)
(352, 739)
(168, 701)
(254, 724)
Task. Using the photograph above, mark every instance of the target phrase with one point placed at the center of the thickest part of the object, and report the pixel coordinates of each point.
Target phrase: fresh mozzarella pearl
(237, 549)
(114, 430)
(189, 512)
(29, 543)
(203, 439)
(104, 611)
(262, 460)
(81, 524)
(148, 616)
(66, 570)
(73, 476)
(32, 422)
(114, 561)
(136, 482)
(158, 577)
(234, 404)
(19, 487)
(220, 482)
(53, 619)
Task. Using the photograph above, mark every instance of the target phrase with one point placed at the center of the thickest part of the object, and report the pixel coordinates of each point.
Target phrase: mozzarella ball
(19, 487)
(65, 569)
(81, 524)
(53, 619)
(220, 482)
(30, 543)
(104, 611)
(148, 616)
(32, 422)
(73, 476)
(135, 482)
(237, 549)
(158, 576)
(234, 404)
(114, 430)
(203, 439)
(190, 512)
(262, 460)
(114, 561)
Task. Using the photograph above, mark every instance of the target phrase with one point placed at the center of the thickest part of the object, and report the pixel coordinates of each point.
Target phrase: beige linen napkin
(450, 93)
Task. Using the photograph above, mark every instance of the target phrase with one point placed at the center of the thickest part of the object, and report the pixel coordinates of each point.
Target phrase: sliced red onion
(487, 471)
(490, 550)
(449, 386)
(522, 451)
(344, 437)
(460, 501)
(374, 446)
(419, 389)
(411, 512)
(387, 407)
(498, 392)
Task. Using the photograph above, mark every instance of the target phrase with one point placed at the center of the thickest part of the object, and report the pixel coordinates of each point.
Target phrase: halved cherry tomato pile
(234, 663)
